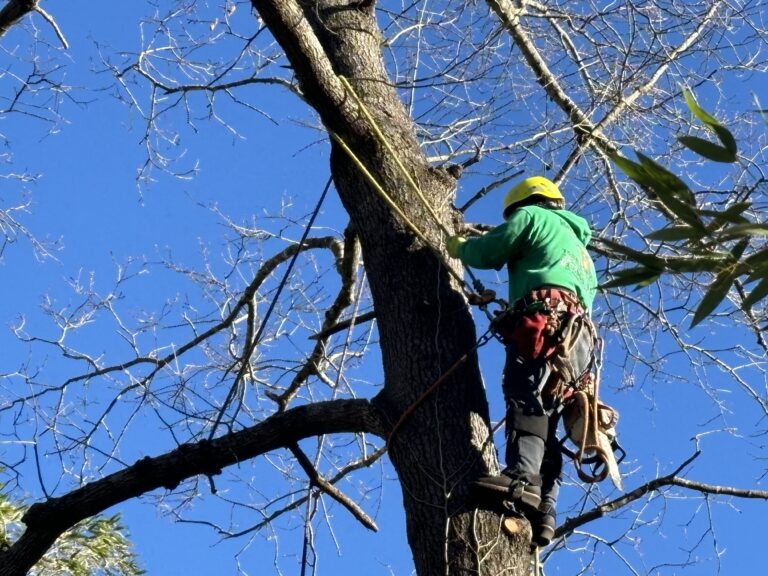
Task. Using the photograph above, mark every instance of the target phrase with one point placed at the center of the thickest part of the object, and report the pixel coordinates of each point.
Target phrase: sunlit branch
(348, 270)
(159, 363)
(655, 485)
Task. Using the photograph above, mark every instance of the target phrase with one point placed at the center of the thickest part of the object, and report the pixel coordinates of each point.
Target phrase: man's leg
(527, 430)
(544, 521)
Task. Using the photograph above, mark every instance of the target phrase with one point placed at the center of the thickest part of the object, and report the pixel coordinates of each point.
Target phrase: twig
(316, 479)
(486, 189)
(343, 325)
(670, 480)
(352, 467)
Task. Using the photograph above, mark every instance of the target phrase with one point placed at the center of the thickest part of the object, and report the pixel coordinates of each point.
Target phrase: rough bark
(423, 318)
(46, 521)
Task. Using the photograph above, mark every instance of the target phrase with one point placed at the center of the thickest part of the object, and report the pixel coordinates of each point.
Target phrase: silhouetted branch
(47, 520)
(670, 480)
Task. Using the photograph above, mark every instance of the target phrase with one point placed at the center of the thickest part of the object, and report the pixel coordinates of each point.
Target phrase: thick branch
(347, 268)
(14, 11)
(343, 325)
(47, 520)
(509, 14)
(588, 133)
(649, 84)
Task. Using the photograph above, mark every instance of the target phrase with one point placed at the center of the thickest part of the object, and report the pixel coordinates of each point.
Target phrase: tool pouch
(595, 444)
(573, 419)
(531, 335)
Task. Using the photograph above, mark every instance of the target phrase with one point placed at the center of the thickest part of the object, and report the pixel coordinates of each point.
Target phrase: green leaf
(697, 110)
(707, 149)
(681, 209)
(727, 139)
(698, 263)
(738, 250)
(758, 273)
(718, 290)
(750, 229)
(663, 177)
(670, 190)
(672, 233)
(758, 258)
(647, 260)
(640, 275)
(723, 134)
(632, 169)
(648, 281)
(758, 293)
(732, 214)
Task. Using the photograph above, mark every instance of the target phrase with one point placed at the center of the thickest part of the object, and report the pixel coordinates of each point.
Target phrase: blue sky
(88, 197)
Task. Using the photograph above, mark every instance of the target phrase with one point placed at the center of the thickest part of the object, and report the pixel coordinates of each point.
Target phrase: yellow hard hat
(534, 186)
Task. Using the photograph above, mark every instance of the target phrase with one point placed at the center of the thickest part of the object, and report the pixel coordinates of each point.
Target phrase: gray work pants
(533, 451)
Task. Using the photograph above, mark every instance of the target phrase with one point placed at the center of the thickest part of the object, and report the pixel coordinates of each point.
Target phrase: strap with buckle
(548, 299)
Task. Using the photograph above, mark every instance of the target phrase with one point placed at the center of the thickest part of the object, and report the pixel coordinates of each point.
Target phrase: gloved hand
(452, 245)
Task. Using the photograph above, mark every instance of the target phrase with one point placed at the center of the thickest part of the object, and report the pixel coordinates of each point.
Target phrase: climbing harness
(538, 569)
(476, 294)
(548, 323)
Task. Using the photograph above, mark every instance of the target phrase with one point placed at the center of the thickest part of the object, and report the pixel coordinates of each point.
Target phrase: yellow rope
(391, 203)
(380, 135)
(378, 187)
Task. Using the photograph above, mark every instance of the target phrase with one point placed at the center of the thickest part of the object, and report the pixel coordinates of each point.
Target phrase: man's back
(542, 247)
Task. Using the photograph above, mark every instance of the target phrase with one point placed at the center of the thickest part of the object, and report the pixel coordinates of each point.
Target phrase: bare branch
(48, 18)
(348, 271)
(582, 125)
(47, 520)
(343, 325)
(672, 479)
(316, 479)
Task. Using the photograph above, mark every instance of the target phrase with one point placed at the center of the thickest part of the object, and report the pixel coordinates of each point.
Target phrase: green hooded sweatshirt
(541, 247)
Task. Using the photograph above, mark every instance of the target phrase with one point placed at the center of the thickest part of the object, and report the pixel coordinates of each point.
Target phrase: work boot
(512, 487)
(543, 524)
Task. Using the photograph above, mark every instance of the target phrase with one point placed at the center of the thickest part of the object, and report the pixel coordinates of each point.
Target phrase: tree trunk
(423, 318)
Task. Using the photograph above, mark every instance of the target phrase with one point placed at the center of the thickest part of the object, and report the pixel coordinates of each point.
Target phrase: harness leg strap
(535, 424)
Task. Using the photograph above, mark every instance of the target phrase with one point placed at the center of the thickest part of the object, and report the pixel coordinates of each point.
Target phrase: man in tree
(552, 284)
